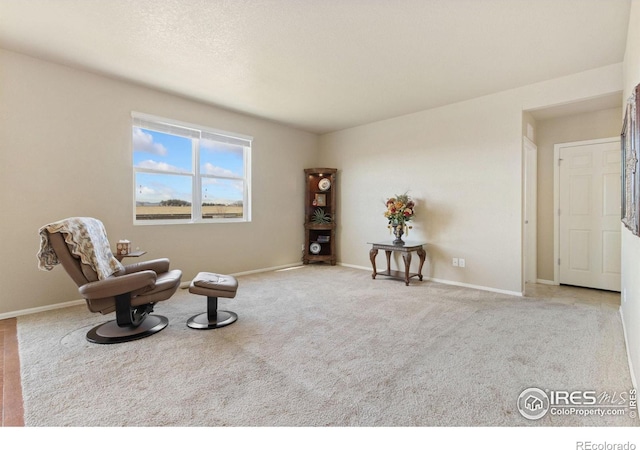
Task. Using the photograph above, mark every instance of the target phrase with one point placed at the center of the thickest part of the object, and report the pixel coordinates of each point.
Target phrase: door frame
(530, 210)
(556, 195)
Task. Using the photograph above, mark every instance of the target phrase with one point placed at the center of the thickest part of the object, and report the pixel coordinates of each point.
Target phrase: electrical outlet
(461, 262)
(455, 262)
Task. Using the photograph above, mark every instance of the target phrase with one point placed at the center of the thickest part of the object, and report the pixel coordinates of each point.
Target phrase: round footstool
(213, 285)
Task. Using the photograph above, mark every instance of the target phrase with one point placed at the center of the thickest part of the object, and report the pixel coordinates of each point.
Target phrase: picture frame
(321, 200)
(630, 166)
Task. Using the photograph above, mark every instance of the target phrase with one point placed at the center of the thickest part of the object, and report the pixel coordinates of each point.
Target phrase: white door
(589, 214)
(530, 210)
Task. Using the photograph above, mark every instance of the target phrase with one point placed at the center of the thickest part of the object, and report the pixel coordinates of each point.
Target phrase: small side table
(131, 255)
(406, 251)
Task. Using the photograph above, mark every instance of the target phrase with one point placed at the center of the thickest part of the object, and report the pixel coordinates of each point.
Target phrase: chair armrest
(159, 265)
(113, 286)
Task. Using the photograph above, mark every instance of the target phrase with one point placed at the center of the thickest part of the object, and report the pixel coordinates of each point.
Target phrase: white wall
(65, 151)
(631, 244)
(463, 164)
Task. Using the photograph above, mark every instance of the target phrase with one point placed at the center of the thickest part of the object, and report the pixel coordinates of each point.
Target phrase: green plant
(320, 217)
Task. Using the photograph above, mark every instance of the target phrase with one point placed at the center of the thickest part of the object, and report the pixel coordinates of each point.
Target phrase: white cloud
(146, 192)
(157, 192)
(210, 169)
(143, 142)
(156, 165)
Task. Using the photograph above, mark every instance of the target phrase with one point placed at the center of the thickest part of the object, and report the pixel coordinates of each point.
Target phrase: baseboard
(24, 312)
(549, 282)
(626, 343)
(452, 283)
(267, 269)
(475, 286)
(353, 266)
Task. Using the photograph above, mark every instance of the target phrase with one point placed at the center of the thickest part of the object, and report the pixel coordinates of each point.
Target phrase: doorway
(587, 218)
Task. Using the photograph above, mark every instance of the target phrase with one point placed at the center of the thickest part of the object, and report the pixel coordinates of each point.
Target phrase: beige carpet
(327, 346)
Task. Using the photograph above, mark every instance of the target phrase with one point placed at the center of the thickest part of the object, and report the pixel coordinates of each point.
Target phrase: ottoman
(213, 285)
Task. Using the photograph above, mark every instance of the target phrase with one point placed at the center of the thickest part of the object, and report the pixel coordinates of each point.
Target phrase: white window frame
(195, 133)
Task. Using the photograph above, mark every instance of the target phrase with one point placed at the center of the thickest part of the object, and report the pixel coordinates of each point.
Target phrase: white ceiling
(322, 65)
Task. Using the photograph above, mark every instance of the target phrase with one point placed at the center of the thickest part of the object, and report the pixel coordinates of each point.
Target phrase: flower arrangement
(400, 210)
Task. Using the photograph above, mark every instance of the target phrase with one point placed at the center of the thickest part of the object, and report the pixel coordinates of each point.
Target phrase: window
(185, 173)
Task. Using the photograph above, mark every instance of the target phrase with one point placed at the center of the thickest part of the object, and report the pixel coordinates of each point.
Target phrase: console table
(406, 251)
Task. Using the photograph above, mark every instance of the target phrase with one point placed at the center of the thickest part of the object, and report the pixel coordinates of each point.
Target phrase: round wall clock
(315, 248)
(324, 184)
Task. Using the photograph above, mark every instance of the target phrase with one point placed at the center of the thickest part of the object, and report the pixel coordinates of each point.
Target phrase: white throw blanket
(87, 239)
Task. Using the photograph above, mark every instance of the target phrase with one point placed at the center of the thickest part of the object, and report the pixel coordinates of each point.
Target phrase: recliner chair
(80, 244)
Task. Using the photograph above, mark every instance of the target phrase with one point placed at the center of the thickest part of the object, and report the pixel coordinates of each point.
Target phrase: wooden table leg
(422, 254)
(372, 256)
(407, 264)
(388, 253)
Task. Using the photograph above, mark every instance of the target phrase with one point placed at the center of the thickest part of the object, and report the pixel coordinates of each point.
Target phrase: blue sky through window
(152, 188)
(220, 159)
(221, 167)
(161, 151)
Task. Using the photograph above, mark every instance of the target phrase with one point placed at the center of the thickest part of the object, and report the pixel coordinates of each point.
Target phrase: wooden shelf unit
(320, 239)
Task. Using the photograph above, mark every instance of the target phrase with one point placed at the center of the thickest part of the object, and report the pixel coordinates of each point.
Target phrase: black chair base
(205, 322)
(212, 318)
(111, 333)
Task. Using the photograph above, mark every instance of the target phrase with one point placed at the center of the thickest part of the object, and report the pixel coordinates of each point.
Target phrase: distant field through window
(185, 173)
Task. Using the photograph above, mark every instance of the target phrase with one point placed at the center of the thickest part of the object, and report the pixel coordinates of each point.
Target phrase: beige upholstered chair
(80, 244)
